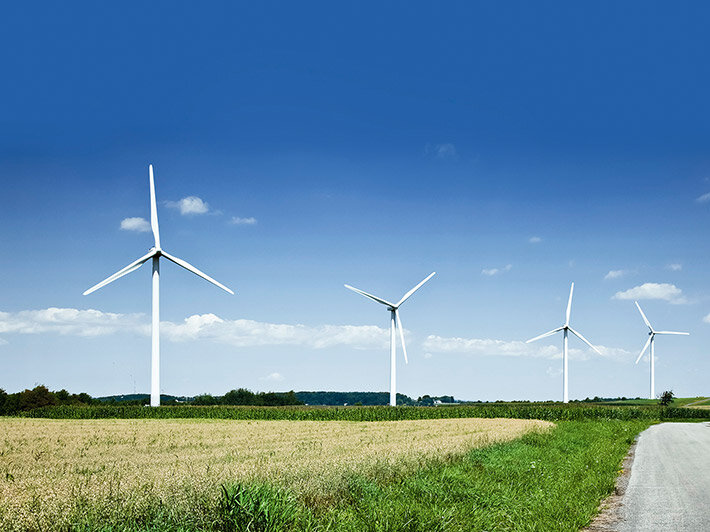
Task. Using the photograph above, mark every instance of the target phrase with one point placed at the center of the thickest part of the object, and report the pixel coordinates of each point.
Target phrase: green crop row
(372, 413)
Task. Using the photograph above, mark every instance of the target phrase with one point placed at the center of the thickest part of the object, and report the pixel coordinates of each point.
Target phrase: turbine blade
(645, 346)
(374, 298)
(671, 332)
(549, 333)
(645, 319)
(189, 267)
(578, 335)
(401, 335)
(569, 304)
(133, 266)
(153, 210)
(408, 294)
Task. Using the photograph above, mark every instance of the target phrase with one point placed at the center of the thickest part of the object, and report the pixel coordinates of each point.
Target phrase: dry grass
(55, 471)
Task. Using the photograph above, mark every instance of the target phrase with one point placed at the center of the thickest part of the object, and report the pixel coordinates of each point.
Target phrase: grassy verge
(551, 481)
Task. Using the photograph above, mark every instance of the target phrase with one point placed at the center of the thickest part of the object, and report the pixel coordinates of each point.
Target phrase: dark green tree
(666, 398)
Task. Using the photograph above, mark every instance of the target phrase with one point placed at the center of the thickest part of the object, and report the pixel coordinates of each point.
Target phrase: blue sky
(513, 148)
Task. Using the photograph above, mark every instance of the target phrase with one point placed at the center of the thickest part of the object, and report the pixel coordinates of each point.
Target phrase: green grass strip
(541, 482)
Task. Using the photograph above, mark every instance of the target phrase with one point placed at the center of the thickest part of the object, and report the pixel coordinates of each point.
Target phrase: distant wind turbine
(395, 323)
(651, 337)
(567, 329)
(155, 253)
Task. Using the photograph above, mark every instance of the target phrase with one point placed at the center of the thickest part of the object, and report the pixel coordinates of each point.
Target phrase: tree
(37, 397)
(62, 395)
(666, 398)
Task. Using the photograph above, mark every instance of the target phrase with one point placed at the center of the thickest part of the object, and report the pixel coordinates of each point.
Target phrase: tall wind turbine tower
(395, 323)
(567, 329)
(155, 253)
(651, 338)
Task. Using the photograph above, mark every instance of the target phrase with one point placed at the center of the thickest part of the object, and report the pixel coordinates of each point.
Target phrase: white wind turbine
(567, 329)
(155, 253)
(395, 323)
(651, 337)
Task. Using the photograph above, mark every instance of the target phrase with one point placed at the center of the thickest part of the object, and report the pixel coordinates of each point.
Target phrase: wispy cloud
(675, 267)
(514, 348)
(553, 372)
(236, 220)
(208, 327)
(706, 319)
(135, 224)
(273, 377)
(704, 198)
(246, 333)
(616, 274)
(488, 347)
(189, 205)
(446, 151)
(70, 321)
(534, 239)
(495, 271)
(664, 291)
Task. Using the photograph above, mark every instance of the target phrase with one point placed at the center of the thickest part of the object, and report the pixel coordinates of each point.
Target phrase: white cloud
(495, 271)
(663, 291)
(534, 239)
(553, 372)
(273, 377)
(236, 220)
(189, 205)
(704, 198)
(706, 319)
(135, 224)
(675, 267)
(516, 348)
(615, 274)
(69, 321)
(488, 347)
(245, 333)
(445, 151)
(239, 333)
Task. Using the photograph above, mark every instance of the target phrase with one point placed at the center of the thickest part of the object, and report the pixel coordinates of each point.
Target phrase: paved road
(669, 487)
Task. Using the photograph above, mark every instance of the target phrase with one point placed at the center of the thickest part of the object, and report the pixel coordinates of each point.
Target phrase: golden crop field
(54, 470)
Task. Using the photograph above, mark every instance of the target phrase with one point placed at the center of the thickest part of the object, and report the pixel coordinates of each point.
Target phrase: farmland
(310, 468)
(58, 472)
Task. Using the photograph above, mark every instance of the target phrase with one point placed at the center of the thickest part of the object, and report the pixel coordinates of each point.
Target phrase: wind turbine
(395, 323)
(567, 329)
(155, 253)
(651, 337)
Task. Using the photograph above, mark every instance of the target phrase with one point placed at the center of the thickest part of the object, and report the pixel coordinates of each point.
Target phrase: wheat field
(57, 472)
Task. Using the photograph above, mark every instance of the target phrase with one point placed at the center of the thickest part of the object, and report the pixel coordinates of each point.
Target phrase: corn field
(548, 412)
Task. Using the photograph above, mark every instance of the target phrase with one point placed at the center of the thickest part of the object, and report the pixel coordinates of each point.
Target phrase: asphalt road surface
(669, 487)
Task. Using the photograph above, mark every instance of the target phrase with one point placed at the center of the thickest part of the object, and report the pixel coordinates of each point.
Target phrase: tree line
(41, 396)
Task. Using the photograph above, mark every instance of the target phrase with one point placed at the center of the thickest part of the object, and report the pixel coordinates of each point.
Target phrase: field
(59, 472)
(453, 468)
(677, 401)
